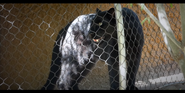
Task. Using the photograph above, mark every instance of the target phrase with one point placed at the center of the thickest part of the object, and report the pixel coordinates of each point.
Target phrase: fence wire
(29, 31)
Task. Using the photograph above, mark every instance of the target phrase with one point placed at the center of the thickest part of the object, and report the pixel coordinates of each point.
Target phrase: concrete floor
(180, 86)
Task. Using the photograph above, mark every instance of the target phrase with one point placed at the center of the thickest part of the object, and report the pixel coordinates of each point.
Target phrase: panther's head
(96, 31)
(103, 32)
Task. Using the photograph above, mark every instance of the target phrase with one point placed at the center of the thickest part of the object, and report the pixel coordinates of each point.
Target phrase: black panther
(90, 38)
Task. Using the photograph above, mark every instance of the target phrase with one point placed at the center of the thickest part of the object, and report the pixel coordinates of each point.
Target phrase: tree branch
(182, 13)
(175, 47)
(170, 36)
(172, 47)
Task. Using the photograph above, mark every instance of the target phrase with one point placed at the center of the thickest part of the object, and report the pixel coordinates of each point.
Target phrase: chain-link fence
(29, 31)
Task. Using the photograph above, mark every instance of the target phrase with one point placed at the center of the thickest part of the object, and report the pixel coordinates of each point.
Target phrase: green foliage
(147, 18)
(129, 4)
(171, 5)
(142, 8)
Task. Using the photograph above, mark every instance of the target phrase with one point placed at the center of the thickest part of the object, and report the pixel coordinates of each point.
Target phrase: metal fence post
(121, 46)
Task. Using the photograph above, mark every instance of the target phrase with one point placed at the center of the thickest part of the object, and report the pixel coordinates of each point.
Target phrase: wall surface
(28, 33)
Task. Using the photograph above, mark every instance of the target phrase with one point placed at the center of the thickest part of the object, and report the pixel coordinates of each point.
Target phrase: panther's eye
(98, 40)
(100, 23)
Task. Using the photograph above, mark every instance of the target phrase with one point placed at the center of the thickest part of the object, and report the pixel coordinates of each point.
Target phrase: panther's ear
(111, 11)
(98, 10)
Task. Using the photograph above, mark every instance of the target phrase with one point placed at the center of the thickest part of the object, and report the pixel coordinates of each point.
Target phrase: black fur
(97, 42)
(134, 43)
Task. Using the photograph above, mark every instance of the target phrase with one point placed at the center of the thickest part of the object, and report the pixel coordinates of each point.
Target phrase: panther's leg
(72, 74)
(132, 68)
(113, 69)
(133, 60)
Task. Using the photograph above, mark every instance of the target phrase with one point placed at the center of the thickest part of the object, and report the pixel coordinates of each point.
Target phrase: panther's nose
(87, 42)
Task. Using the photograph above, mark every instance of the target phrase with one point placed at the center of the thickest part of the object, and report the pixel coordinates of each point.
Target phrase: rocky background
(28, 33)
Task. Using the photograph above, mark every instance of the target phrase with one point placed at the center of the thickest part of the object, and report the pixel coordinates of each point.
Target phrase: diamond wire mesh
(28, 32)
